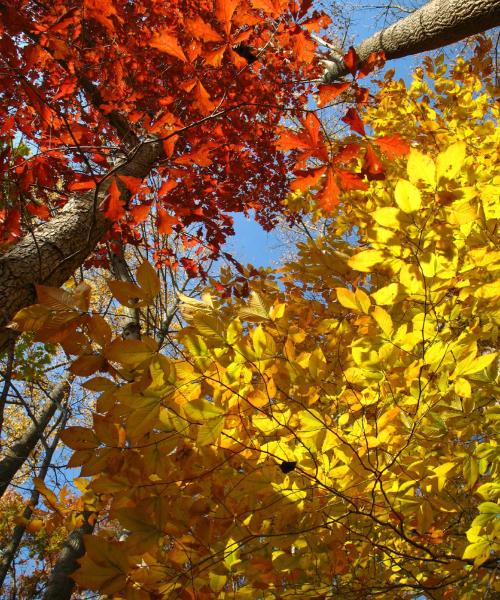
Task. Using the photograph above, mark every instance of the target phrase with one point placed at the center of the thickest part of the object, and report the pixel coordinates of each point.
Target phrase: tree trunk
(55, 249)
(17, 455)
(436, 24)
(60, 586)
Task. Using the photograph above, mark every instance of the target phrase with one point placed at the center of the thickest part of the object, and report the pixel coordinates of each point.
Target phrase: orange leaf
(168, 43)
(169, 145)
(327, 93)
(224, 11)
(82, 185)
(372, 166)
(202, 99)
(166, 221)
(351, 181)
(354, 121)
(305, 179)
(132, 183)
(115, 206)
(328, 198)
(271, 7)
(139, 213)
(376, 59)
(202, 31)
(392, 145)
(41, 211)
(351, 60)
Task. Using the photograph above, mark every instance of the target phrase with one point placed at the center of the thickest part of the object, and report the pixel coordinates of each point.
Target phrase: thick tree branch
(55, 249)
(436, 24)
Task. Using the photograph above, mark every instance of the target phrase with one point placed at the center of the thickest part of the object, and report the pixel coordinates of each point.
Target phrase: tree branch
(436, 24)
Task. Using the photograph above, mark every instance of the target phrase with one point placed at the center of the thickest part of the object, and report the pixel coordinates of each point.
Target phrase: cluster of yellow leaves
(336, 434)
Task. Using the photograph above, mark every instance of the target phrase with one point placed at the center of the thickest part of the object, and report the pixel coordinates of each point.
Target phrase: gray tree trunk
(436, 24)
(61, 585)
(51, 254)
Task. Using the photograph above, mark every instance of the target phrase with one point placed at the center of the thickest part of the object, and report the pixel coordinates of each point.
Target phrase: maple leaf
(224, 11)
(375, 59)
(351, 60)
(328, 197)
(166, 41)
(166, 221)
(202, 30)
(393, 145)
(304, 179)
(327, 93)
(309, 140)
(271, 7)
(115, 206)
(202, 99)
(372, 166)
(351, 181)
(354, 121)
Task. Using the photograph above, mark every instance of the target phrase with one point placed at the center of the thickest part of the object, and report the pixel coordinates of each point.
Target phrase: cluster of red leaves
(321, 164)
(174, 70)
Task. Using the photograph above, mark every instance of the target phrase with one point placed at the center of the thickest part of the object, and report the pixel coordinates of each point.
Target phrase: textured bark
(61, 585)
(55, 249)
(17, 455)
(434, 25)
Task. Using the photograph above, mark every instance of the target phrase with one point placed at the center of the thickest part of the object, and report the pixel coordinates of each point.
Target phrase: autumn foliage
(332, 434)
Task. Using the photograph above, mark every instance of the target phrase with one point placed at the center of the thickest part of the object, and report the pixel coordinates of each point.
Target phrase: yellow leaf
(383, 319)
(386, 295)
(131, 353)
(478, 364)
(127, 293)
(388, 216)
(449, 163)
(365, 260)
(363, 300)
(407, 196)
(201, 410)
(421, 167)
(148, 280)
(346, 298)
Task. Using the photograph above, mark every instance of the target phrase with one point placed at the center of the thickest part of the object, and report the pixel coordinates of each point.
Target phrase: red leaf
(346, 153)
(392, 145)
(376, 59)
(354, 121)
(132, 183)
(39, 210)
(12, 226)
(327, 93)
(351, 181)
(166, 42)
(305, 179)
(328, 198)
(351, 60)
(224, 11)
(362, 94)
(68, 86)
(115, 207)
(166, 221)
(372, 166)
(82, 185)
(167, 186)
(139, 213)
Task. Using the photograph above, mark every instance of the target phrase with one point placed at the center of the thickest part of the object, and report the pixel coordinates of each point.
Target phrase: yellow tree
(334, 434)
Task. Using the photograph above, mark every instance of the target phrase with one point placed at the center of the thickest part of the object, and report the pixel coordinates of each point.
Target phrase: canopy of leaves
(334, 435)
